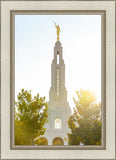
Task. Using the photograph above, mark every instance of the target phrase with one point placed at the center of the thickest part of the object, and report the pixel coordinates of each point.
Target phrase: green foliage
(30, 117)
(41, 141)
(85, 122)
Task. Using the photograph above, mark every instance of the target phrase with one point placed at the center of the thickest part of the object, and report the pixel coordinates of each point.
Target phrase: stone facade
(58, 107)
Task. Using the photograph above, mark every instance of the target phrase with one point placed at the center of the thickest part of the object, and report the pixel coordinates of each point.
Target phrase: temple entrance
(58, 141)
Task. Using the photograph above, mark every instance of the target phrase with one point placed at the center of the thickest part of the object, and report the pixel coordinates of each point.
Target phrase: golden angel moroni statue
(58, 31)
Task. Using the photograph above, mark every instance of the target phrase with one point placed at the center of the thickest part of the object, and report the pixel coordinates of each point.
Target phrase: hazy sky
(35, 37)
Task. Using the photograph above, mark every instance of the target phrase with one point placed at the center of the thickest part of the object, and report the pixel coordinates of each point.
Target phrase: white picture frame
(8, 8)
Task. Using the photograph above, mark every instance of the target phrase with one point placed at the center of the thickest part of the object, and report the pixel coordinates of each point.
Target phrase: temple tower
(58, 107)
(58, 90)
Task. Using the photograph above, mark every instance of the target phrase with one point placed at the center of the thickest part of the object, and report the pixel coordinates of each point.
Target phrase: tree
(41, 141)
(85, 122)
(30, 117)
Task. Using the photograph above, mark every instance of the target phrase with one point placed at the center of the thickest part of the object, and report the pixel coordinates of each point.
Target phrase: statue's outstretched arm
(55, 24)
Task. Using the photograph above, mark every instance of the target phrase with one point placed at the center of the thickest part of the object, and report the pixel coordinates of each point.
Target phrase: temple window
(57, 123)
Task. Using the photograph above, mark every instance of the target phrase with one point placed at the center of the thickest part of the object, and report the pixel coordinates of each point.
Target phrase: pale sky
(35, 37)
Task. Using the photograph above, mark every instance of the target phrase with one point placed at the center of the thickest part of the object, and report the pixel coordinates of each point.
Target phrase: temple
(58, 107)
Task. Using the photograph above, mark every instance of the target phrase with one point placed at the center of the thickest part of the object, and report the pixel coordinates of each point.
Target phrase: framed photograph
(58, 79)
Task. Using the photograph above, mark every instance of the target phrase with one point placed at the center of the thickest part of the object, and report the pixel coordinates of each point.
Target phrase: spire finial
(58, 30)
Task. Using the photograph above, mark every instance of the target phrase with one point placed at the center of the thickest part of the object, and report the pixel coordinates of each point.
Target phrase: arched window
(58, 57)
(58, 141)
(57, 123)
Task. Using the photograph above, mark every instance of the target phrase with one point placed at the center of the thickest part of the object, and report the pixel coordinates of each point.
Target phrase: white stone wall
(57, 110)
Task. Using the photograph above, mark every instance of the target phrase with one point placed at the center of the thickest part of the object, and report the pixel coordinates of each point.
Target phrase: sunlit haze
(35, 37)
